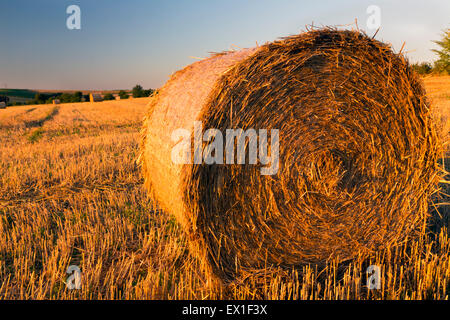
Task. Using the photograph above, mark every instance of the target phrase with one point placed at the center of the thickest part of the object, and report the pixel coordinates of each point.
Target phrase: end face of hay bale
(176, 106)
(358, 153)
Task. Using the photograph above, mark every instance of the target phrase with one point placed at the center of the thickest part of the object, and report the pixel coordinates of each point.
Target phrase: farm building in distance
(95, 97)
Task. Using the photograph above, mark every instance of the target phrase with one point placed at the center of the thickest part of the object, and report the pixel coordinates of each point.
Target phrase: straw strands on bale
(357, 153)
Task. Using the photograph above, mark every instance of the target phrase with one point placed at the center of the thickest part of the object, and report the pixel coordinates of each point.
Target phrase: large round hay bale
(357, 152)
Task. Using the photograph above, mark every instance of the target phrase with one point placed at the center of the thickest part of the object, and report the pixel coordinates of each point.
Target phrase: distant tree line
(43, 98)
(47, 98)
(425, 68)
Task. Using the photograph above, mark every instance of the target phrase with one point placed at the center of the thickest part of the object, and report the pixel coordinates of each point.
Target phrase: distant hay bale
(358, 153)
(95, 97)
(2, 105)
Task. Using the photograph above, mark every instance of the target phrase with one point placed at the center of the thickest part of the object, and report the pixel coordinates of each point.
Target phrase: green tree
(77, 96)
(138, 91)
(123, 94)
(443, 63)
(108, 96)
(39, 98)
(66, 98)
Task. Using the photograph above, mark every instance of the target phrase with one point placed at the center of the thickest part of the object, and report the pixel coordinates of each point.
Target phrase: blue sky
(122, 43)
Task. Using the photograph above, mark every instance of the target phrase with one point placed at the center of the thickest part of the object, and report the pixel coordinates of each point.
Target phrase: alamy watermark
(73, 282)
(374, 20)
(73, 21)
(222, 151)
(373, 277)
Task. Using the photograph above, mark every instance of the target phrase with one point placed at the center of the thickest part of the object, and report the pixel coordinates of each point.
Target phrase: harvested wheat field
(72, 193)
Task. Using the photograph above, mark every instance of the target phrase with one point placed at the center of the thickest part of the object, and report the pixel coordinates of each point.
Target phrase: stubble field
(71, 193)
